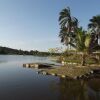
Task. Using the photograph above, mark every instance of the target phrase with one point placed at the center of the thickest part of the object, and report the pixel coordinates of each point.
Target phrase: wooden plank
(37, 65)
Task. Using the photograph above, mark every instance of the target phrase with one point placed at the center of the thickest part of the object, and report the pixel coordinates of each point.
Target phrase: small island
(81, 59)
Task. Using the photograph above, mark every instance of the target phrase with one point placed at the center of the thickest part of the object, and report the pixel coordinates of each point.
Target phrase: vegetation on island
(85, 42)
(82, 57)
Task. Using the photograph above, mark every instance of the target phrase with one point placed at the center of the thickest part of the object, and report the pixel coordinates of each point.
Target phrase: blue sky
(33, 24)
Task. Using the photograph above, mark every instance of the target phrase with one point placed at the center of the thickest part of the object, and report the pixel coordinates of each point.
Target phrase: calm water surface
(18, 83)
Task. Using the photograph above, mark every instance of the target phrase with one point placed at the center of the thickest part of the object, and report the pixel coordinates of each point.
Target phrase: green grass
(76, 58)
(70, 71)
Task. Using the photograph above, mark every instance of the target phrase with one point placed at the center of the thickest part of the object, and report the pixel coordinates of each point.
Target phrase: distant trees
(10, 51)
(54, 51)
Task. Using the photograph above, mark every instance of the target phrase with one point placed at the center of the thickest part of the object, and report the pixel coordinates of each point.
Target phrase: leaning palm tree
(68, 25)
(94, 25)
(65, 39)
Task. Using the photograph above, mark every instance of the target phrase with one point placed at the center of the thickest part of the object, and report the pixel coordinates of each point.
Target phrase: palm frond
(87, 40)
(68, 25)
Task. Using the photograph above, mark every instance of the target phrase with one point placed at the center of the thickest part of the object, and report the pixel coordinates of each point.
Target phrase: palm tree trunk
(83, 59)
(99, 39)
(69, 44)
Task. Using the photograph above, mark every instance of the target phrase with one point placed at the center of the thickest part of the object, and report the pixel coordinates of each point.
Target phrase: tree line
(10, 51)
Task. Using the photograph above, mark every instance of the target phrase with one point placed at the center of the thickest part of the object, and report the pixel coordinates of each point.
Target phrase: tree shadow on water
(77, 89)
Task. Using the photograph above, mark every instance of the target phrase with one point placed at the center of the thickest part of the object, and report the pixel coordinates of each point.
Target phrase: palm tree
(82, 43)
(68, 25)
(94, 25)
(64, 36)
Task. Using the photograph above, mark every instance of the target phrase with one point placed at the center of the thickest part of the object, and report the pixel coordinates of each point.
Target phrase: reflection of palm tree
(94, 85)
(72, 90)
(68, 26)
(78, 89)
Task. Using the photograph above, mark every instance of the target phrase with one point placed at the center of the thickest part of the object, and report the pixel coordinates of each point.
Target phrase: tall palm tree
(68, 25)
(94, 25)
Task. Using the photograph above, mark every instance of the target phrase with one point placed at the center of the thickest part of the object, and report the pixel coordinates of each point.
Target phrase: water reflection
(94, 89)
(18, 83)
(78, 89)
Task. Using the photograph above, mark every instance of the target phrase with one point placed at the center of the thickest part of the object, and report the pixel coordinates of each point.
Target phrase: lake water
(18, 83)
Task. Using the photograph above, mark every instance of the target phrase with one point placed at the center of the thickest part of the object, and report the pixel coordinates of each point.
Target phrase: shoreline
(66, 71)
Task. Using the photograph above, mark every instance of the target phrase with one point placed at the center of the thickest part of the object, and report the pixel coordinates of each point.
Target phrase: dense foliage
(74, 36)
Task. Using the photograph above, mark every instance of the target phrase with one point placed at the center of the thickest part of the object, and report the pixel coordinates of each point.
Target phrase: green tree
(82, 43)
(68, 27)
(94, 25)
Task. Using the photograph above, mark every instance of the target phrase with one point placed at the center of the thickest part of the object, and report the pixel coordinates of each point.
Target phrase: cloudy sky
(33, 24)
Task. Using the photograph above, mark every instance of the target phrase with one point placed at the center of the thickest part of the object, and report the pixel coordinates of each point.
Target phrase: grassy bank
(73, 71)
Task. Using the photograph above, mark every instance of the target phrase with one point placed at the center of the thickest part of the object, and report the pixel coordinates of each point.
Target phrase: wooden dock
(38, 65)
